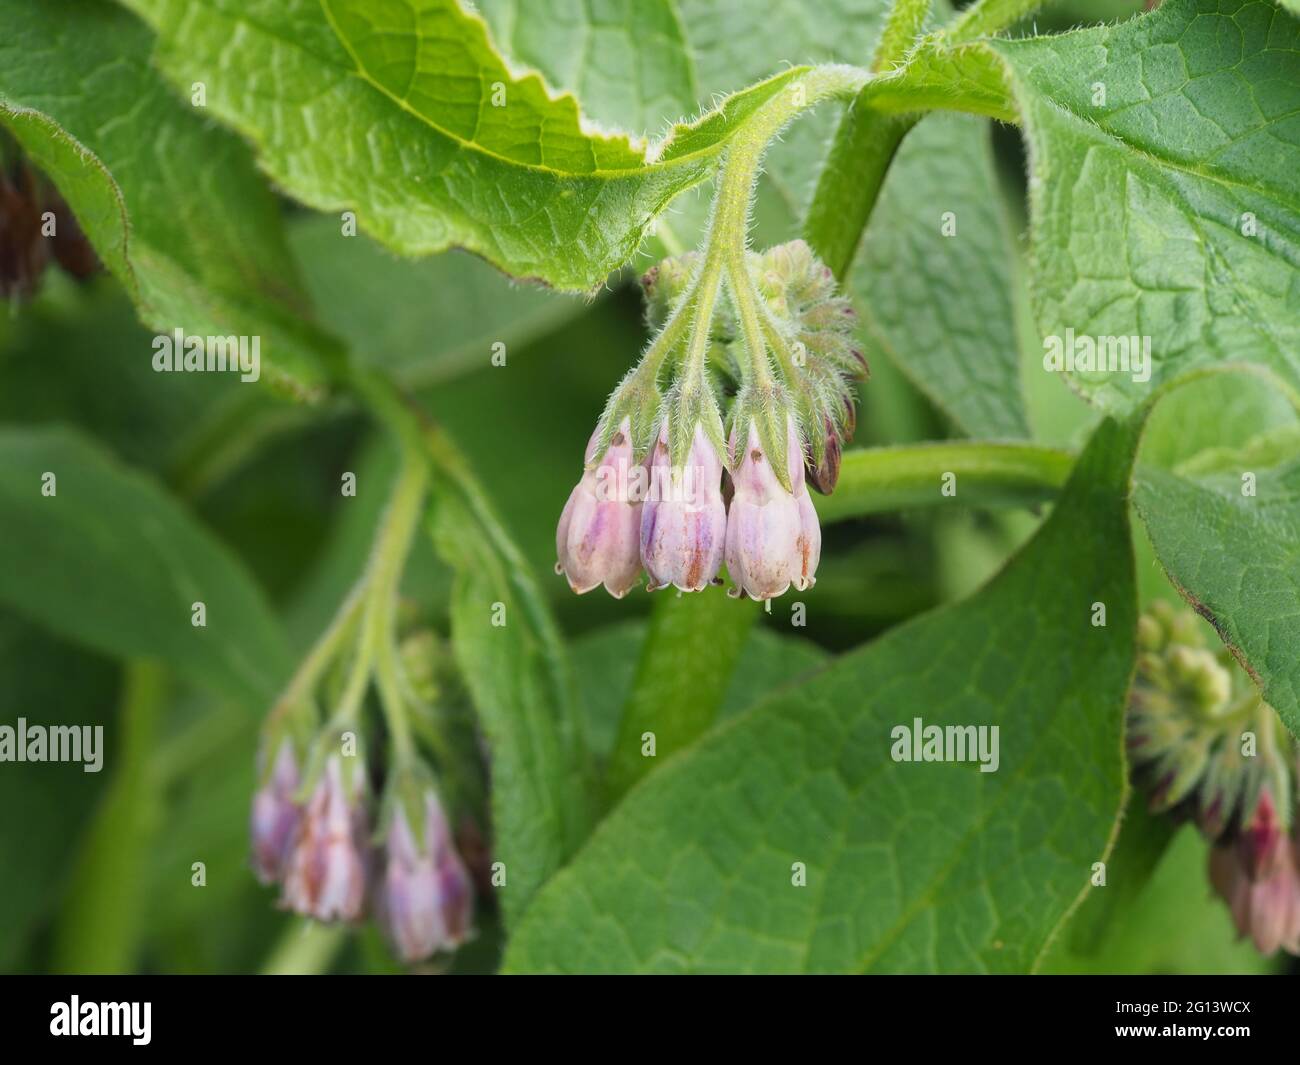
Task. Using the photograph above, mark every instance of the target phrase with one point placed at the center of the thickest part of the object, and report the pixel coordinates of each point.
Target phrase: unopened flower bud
(773, 535)
(426, 901)
(683, 520)
(276, 815)
(598, 539)
(72, 251)
(1262, 840)
(664, 283)
(824, 475)
(325, 877)
(22, 248)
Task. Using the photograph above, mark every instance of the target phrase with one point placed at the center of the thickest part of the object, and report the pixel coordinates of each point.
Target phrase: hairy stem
(987, 17)
(906, 19)
(984, 474)
(849, 185)
(389, 560)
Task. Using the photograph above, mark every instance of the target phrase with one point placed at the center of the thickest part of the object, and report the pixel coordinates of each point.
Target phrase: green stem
(305, 949)
(728, 227)
(906, 20)
(849, 184)
(103, 917)
(687, 661)
(986, 474)
(746, 301)
(988, 17)
(376, 649)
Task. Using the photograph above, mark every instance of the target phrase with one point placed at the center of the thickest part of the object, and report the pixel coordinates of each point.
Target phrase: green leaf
(510, 653)
(693, 871)
(416, 145)
(1211, 416)
(116, 397)
(933, 291)
(630, 62)
(53, 682)
(639, 65)
(172, 205)
(685, 666)
(423, 322)
(1236, 559)
(104, 912)
(610, 657)
(1144, 201)
(111, 561)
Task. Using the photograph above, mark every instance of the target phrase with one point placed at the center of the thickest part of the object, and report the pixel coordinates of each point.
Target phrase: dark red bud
(1261, 838)
(72, 251)
(826, 474)
(22, 248)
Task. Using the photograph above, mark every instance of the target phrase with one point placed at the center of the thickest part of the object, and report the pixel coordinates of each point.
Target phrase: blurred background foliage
(264, 477)
(113, 852)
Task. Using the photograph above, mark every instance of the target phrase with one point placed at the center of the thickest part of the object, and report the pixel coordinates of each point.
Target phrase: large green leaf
(113, 562)
(694, 870)
(1170, 207)
(934, 291)
(514, 663)
(172, 205)
(424, 322)
(432, 140)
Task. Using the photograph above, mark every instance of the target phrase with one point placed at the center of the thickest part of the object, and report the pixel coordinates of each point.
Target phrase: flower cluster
(671, 487)
(1208, 748)
(312, 834)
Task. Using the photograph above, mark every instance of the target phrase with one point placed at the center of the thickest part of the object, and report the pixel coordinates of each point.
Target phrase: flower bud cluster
(674, 488)
(313, 834)
(1206, 747)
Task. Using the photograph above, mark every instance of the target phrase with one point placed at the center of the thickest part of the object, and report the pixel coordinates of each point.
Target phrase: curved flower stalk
(314, 813)
(782, 346)
(1208, 748)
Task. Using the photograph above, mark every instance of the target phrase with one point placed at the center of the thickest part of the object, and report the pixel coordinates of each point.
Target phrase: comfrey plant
(781, 357)
(675, 781)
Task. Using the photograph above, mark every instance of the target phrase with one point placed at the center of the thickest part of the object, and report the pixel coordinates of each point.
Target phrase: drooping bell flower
(1265, 908)
(276, 815)
(598, 538)
(426, 898)
(683, 519)
(325, 876)
(773, 535)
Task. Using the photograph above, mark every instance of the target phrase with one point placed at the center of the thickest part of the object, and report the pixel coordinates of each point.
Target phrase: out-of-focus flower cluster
(1207, 748)
(338, 854)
